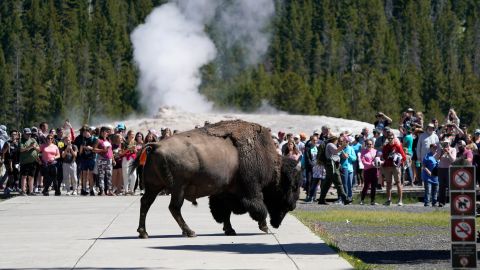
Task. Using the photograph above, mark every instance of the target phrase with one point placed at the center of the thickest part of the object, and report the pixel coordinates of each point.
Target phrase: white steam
(171, 47)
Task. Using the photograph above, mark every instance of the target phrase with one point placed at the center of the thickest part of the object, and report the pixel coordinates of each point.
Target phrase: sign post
(462, 209)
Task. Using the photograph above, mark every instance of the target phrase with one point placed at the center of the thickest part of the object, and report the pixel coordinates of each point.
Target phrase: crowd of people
(96, 161)
(420, 155)
(93, 162)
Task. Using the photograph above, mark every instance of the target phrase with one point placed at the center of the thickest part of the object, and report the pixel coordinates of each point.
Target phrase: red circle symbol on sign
(462, 178)
(463, 230)
(463, 203)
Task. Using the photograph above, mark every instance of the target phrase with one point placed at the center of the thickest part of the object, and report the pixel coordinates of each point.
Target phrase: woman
(292, 151)
(139, 171)
(370, 171)
(69, 166)
(150, 138)
(104, 160)
(50, 155)
(347, 158)
(129, 155)
(446, 155)
(117, 178)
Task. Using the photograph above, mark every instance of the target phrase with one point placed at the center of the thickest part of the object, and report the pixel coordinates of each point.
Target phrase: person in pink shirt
(50, 154)
(464, 154)
(370, 171)
(104, 161)
(446, 155)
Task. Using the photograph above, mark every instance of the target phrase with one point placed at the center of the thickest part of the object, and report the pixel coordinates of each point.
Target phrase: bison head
(282, 197)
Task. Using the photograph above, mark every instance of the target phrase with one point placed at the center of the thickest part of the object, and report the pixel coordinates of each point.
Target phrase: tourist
(370, 171)
(430, 176)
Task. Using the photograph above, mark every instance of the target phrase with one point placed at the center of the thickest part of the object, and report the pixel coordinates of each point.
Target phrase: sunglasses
(390, 138)
(369, 144)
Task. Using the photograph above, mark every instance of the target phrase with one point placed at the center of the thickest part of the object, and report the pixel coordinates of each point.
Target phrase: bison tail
(141, 159)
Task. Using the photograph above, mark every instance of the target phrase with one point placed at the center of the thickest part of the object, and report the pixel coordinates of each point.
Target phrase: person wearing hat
(464, 155)
(10, 152)
(29, 159)
(394, 157)
(332, 166)
(408, 120)
(445, 155)
(425, 140)
(382, 121)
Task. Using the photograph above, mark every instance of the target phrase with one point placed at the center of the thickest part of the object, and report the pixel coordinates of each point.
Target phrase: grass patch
(380, 198)
(313, 220)
(377, 218)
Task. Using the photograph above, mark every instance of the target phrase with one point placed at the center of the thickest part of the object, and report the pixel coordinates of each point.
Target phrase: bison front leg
(220, 208)
(145, 202)
(175, 207)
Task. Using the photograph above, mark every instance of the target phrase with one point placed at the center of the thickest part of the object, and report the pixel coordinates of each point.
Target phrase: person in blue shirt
(430, 176)
(347, 159)
(357, 145)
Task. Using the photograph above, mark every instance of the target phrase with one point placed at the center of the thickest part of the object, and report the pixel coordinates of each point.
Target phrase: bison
(233, 162)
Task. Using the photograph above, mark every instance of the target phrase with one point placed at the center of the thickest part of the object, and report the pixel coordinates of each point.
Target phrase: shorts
(391, 173)
(87, 165)
(28, 169)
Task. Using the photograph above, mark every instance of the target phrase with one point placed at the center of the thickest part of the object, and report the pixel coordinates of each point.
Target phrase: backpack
(321, 154)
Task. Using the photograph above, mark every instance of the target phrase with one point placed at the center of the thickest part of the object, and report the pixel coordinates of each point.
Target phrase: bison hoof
(230, 232)
(262, 225)
(142, 233)
(189, 233)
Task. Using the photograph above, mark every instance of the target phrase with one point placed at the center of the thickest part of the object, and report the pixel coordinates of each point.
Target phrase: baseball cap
(296, 136)
(34, 130)
(410, 110)
(431, 125)
(27, 131)
(462, 143)
(121, 126)
(477, 131)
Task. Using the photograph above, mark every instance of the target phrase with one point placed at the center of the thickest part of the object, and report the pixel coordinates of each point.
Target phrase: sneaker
(92, 193)
(426, 205)
(22, 193)
(74, 193)
(323, 202)
(400, 203)
(83, 192)
(45, 193)
(35, 190)
(361, 203)
(347, 202)
(440, 205)
(373, 203)
(7, 191)
(387, 203)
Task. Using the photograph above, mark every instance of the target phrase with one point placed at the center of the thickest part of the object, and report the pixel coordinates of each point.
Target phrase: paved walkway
(100, 233)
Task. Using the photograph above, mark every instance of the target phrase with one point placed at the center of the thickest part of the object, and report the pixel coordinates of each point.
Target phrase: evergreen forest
(344, 58)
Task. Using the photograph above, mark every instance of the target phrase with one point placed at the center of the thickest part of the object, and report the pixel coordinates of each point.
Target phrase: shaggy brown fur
(233, 162)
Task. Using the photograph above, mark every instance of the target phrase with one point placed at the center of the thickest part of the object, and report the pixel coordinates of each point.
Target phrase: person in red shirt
(393, 157)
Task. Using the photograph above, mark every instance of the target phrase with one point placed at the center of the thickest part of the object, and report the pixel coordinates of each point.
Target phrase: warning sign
(462, 203)
(464, 256)
(462, 178)
(463, 230)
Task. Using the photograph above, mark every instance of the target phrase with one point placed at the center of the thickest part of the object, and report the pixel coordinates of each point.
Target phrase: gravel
(390, 247)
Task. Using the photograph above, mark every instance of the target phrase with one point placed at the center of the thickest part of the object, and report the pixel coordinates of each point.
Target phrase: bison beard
(233, 162)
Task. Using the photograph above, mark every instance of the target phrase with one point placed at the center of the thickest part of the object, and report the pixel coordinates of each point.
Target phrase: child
(430, 177)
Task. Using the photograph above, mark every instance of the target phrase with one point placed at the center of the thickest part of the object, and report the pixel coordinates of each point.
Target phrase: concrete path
(100, 233)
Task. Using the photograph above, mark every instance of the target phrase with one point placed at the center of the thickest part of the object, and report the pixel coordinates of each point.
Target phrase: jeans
(49, 173)
(347, 182)
(431, 191)
(313, 189)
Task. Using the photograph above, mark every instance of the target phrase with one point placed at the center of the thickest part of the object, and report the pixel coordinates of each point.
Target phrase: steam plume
(171, 46)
